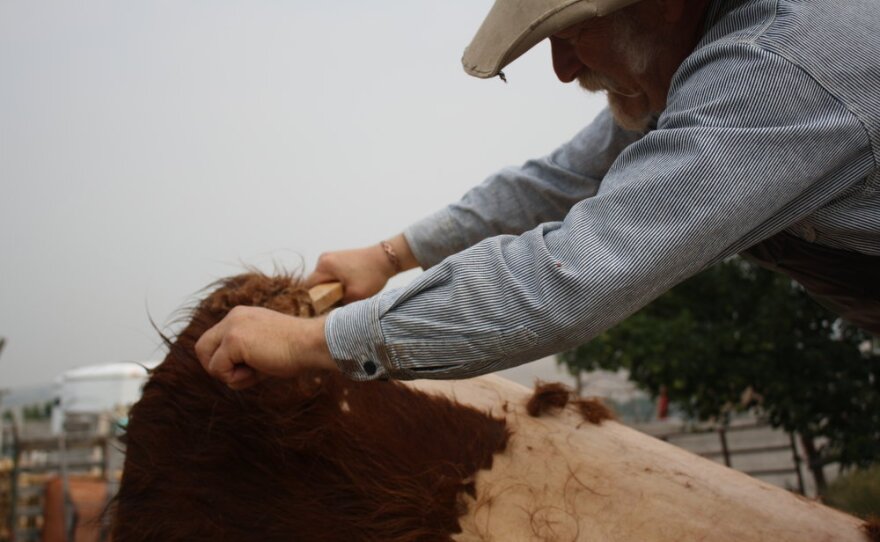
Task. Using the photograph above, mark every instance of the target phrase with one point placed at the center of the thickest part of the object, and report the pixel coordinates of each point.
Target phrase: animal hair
(872, 528)
(547, 397)
(593, 410)
(550, 397)
(315, 457)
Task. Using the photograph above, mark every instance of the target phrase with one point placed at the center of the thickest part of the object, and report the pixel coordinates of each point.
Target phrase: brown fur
(316, 457)
(872, 528)
(549, 397)
(593, 410)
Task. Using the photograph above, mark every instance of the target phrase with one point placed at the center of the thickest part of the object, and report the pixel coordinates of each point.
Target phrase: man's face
(608, 54)
(630, 54)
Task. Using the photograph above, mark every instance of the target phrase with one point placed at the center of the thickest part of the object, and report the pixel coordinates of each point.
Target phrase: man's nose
(565, 61)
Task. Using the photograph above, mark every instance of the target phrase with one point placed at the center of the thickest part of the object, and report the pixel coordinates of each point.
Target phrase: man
(734, 126)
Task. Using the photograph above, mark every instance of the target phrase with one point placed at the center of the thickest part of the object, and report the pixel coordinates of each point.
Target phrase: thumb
(319, 277)
(242, 377)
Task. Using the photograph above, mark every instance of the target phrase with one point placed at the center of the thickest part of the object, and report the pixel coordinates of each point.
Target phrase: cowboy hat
(515, 26)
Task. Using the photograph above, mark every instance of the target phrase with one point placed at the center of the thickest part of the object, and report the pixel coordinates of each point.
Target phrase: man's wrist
(385, 264)
(317, 351)
(402, 252)
(391, 255)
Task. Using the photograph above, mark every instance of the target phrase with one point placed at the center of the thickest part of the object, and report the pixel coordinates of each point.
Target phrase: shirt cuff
(356, 342)
(433, 238)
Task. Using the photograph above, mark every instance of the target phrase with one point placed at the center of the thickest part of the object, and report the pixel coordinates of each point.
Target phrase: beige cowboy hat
(515, 26)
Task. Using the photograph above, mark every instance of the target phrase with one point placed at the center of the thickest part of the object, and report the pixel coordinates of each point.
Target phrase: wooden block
(324, 296)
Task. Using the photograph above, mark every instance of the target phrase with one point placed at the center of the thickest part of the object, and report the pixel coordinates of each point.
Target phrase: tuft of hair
(547, 397)
(314, 457)
(593, 410)
(550, 397)
(872, 528)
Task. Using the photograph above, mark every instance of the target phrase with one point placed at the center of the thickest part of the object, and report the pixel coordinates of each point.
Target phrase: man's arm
(748, 146)
(509, 202)
(517, 199)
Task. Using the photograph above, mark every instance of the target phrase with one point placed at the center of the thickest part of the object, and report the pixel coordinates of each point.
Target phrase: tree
(738, 337)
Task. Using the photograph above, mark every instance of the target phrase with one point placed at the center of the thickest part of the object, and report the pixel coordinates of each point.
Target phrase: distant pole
(2, 392)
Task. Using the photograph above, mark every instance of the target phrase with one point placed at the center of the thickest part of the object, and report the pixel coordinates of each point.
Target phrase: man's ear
(673, 10)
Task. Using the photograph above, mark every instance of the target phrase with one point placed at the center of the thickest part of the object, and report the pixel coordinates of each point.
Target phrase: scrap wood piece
(326, 295)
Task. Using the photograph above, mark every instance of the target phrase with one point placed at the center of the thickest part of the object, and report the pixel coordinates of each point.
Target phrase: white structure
(97, 389)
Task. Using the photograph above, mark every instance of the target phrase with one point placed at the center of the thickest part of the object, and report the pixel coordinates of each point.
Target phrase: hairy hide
(316, 457)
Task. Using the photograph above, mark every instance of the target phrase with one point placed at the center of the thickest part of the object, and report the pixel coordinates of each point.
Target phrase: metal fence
(749, 446)
(84, 449)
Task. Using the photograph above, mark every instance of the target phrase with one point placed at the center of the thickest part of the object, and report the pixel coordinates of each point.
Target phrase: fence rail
(754, 448)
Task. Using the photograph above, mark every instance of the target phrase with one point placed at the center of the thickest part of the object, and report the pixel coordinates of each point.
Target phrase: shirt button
(810, 233)
(370, 367)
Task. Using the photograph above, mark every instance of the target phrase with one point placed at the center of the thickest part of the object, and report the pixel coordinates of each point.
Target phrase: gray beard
(639, 53)
(639, 122)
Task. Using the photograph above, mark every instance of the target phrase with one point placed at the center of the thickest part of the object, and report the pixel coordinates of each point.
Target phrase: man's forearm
(517, 199)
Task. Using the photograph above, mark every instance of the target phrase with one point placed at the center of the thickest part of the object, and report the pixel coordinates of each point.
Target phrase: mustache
(595, 82)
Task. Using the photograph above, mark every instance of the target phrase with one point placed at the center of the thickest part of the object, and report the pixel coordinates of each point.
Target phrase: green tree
(738, 337)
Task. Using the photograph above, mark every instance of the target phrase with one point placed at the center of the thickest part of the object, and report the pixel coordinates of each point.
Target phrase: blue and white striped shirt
(771, 124)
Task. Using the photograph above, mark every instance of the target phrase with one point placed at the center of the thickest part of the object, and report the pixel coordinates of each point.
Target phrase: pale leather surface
(562, 479)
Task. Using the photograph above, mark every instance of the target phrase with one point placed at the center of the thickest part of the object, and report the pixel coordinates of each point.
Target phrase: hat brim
(512, 27)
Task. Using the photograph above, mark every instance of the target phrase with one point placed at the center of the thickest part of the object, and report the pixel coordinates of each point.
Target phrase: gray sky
(149, 148)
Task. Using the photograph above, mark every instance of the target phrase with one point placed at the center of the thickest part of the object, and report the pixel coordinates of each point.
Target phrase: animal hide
(316, 457)
(320, 458)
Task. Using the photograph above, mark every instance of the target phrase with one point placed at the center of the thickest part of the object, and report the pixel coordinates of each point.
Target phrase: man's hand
(252, 342)
(363, 272)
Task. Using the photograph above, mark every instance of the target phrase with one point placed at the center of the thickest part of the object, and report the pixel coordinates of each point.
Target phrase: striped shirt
(771, 124)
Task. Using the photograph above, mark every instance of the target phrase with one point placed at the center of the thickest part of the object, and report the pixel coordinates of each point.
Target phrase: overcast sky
(149, 148)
